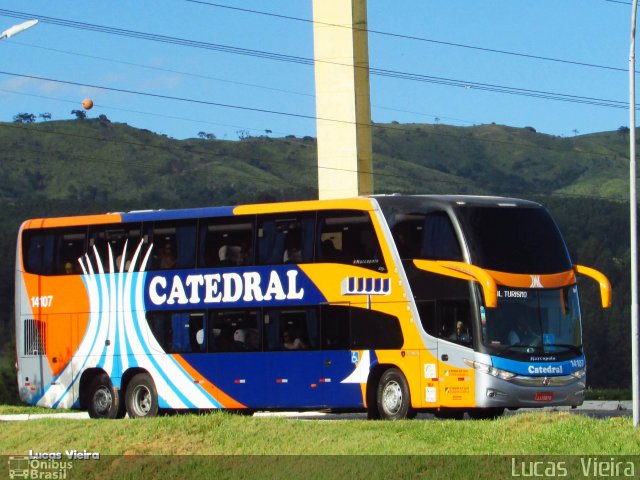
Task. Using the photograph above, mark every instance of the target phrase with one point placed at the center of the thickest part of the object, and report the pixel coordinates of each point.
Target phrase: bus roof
(455, 200)
(359, 203)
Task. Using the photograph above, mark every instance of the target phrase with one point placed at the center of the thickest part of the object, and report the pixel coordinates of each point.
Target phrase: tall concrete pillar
(343, 106)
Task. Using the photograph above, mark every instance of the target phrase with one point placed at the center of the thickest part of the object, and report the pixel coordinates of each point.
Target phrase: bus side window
(178, 332)
(439, 241)
(38, 251)
(285, 240)
(291, 329)
(109, 242)
(234, 331)
(407, 233)
(71, 247)
(334, 327)
(371, 330)
(455, 321)
(427, 311)
(347, 236)
(226, 242)
(174, 245)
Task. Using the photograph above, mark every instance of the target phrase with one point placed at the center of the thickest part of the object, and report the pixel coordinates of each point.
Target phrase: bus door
(340, 377)
(455, 340)
(293, 358)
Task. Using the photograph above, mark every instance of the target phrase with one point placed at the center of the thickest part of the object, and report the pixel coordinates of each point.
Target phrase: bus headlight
(488, 369)
(580, 373)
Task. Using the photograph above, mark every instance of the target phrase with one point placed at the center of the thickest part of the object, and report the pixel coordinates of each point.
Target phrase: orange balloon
(87, 103)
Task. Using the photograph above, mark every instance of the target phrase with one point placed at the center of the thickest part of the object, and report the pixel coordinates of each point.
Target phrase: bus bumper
(529, 392)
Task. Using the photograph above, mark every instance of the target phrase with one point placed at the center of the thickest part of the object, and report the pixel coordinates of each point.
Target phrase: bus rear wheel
(104, 400)
(393, 397)
(141, 397)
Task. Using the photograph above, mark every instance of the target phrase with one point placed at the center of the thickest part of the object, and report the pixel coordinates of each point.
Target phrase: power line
(421, 39)
(183, 99)
(207, 102)
(140, 112)
(217, 79)
(306, 61)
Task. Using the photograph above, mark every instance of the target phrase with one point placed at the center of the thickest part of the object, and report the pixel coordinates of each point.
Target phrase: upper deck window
(428, 236)
(348, 237)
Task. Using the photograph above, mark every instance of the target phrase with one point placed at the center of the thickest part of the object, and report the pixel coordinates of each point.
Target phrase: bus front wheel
(141, 397)
(104, 400)
(393, 397)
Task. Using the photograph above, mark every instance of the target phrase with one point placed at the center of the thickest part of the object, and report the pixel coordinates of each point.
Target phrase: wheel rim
(392, 398)
(142, 401)
(102, 400)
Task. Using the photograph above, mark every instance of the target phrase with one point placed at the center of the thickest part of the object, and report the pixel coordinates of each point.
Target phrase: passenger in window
(68, 268)
(232, 255)
(522, 334)
(224, 341)
(292, 343)
(167, 259)
(461, 333)
(292, 255)
(329, 250)
(240, 339)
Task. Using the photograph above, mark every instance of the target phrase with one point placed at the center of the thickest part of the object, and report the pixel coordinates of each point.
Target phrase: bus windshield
(533, 322)
(516, 240)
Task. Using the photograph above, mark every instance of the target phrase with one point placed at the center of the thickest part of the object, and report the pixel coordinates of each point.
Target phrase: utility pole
(343, 106)
(635, 371)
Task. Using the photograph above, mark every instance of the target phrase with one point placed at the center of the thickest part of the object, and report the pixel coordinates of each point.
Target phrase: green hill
(90, 166)
(100, 161)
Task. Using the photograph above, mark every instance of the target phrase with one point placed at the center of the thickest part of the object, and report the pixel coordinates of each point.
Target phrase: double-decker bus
(391, 305)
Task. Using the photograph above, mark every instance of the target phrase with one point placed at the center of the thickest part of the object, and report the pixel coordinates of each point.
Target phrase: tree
(623, 131)
(80, 114)
(24, 118)
(243, 134)
(207, 136)
(45, 116)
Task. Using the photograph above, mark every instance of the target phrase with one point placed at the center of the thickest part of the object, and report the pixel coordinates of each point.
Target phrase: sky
(181, 67)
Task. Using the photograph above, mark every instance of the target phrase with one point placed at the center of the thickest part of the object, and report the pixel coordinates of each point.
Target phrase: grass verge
(221, 433)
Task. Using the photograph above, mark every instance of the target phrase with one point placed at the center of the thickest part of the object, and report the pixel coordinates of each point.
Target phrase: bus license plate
(543, 396)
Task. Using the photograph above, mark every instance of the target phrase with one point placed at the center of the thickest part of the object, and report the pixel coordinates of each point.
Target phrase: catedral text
(224, 288)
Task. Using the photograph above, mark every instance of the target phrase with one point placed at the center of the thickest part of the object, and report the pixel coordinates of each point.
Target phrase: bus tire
(393, 397)
(485, 413)
(141, 397)
(104, 400)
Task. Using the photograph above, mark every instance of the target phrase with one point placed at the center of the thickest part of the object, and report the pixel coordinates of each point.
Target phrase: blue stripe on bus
(158, 215)
(539, 369)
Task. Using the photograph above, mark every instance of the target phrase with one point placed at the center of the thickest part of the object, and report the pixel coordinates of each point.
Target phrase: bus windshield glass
(533, 321)
(516, 240)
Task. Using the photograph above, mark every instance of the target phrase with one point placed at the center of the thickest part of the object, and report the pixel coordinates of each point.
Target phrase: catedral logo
(250, 286)
(546, 370)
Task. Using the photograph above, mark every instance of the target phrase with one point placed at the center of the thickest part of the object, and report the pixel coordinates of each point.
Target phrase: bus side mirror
(464, 271)
(605, 286)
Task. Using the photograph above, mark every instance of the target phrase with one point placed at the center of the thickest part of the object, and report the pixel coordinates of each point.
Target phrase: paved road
(596, 409)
